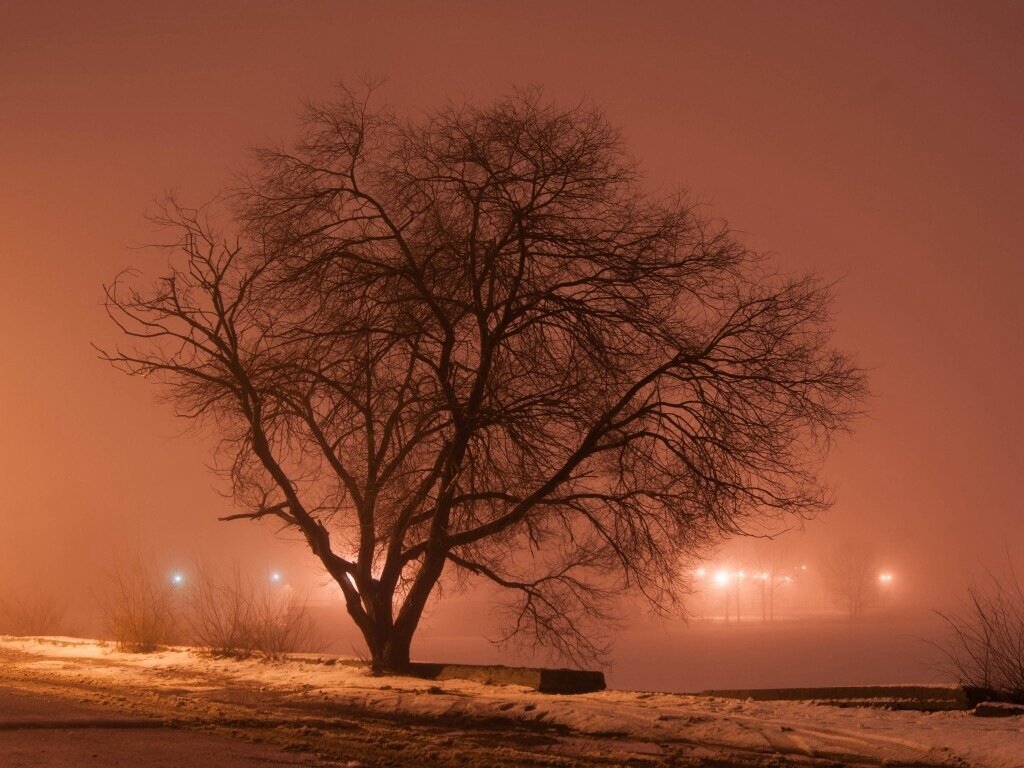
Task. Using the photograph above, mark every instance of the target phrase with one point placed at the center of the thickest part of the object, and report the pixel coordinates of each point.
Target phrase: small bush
(985, 646)
(233, 616)
(227, 615)
(285, 625)
(139, 608)
(219, 614)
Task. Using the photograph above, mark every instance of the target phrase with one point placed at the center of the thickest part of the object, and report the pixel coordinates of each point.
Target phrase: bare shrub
(32, 614)
(220, 614)
(985, 644)
(284, 624)
(229, 615)
(139, 608)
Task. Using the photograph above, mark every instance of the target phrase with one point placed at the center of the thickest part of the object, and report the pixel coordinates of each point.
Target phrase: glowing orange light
(722, 578)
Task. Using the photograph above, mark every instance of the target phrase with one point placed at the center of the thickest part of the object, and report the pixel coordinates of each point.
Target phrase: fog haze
(876, 144)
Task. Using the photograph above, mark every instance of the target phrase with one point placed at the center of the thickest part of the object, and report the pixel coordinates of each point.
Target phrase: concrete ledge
(925, 698)
(998, 709)
(566, 681)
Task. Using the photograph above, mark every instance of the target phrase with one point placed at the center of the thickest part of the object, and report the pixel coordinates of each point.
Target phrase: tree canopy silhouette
(470, 342)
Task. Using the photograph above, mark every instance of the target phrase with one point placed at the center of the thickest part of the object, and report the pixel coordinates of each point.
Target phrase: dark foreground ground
(47, 731)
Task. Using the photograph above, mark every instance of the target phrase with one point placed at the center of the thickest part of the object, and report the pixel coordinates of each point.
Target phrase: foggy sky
(878, 144)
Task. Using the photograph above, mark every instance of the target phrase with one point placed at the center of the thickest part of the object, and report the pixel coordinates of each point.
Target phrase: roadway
(42, 731)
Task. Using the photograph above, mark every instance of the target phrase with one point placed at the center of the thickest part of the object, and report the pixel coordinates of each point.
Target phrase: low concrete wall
(542, 679)
(925, 698)
(566, 681)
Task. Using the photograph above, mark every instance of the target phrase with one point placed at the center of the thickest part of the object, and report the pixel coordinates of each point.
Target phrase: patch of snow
(646, 720)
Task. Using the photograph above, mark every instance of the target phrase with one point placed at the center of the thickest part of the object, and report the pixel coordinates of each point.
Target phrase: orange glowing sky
(879, 143)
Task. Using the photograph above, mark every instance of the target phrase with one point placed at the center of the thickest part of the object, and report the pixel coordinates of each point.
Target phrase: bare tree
(851, 576)
(470, 341)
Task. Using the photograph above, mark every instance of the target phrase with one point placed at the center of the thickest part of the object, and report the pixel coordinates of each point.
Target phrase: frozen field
(677, 657)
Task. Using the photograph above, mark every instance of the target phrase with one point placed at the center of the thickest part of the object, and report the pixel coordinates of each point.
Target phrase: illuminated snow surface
(651, 723)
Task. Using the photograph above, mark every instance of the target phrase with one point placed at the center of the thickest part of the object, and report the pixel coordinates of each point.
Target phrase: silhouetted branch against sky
(470, 340)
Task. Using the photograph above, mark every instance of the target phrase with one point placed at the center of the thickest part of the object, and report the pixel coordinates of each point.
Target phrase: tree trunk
(389, 649)
(390, 640)
(394, 656)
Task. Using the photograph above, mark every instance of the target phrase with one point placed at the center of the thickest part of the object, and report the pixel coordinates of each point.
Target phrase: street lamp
(721, 579)
(740, 575)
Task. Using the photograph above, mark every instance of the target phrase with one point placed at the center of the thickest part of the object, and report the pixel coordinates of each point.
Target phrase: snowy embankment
(654, 723)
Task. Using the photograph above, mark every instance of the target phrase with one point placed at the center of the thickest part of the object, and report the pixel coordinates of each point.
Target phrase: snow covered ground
(652, 728)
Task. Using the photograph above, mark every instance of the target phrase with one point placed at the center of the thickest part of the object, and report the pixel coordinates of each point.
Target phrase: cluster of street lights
(724, 577)
(177, 578)
(729, 581)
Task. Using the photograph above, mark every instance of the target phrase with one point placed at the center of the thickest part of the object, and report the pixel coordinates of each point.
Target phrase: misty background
(878, 145)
